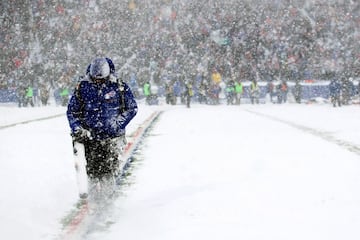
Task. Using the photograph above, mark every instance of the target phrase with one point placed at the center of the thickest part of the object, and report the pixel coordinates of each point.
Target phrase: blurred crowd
(48, 44)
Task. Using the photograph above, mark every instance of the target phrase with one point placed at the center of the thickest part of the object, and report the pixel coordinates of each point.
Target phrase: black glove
(81, 135)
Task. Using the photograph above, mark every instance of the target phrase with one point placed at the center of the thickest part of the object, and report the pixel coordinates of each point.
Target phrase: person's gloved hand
(81, 135)
(117, 122)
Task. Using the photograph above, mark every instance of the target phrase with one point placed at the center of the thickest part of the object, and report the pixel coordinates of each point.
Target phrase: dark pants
(335, 99)
(103, 158)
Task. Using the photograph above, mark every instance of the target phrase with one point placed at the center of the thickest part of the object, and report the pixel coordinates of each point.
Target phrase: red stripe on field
(77, 219)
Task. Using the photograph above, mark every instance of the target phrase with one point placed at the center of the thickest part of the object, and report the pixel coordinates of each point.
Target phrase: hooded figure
(98, 112)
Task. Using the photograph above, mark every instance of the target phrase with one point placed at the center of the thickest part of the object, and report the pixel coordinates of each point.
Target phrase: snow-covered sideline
(38, 185)
(209, 172)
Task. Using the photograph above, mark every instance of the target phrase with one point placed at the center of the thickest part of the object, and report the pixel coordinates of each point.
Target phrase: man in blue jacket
(98, 112)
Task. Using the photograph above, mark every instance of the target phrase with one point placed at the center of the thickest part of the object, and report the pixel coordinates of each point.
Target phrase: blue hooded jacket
(102, 108)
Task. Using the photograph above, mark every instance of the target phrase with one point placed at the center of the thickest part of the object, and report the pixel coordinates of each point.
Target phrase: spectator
(203, 89)
(297, 92)
(238, 92)
(348, 90)
(271, 89)
(335, 92)
(188, 93)
(230, 92)
(169, 94)
(216, 77)
(283, 91)
(147, 91)
(64, 95)
(254, 92)
(29, 96)
(44, 95)
(21, 96)
(214, 92)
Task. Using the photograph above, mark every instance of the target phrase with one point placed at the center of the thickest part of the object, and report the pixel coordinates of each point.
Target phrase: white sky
(209, 172)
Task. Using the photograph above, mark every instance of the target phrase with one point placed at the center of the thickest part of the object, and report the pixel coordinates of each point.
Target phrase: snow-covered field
(209, 172)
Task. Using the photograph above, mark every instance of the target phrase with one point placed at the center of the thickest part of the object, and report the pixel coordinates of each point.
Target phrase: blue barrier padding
(8, 95)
